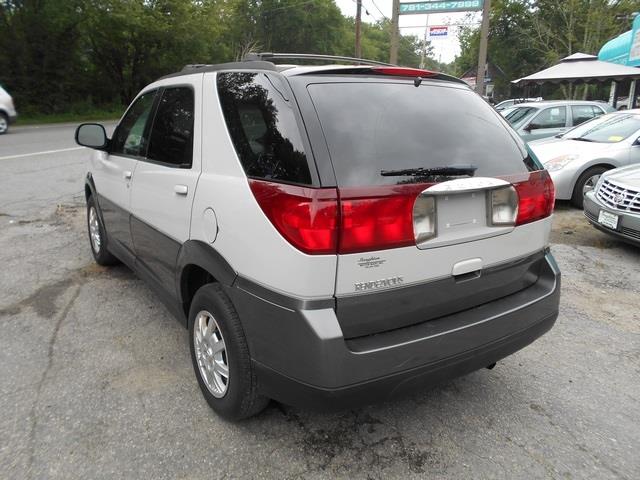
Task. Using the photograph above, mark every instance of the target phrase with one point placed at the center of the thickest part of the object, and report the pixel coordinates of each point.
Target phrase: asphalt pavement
(96, 380)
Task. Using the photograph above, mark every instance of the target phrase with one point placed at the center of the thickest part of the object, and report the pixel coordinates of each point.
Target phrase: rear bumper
(301, 357)
(294, 392)
(628, 224)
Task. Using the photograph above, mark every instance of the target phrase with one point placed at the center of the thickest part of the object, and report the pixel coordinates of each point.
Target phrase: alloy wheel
(211, 354)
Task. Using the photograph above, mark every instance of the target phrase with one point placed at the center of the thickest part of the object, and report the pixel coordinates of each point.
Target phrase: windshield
(612, 128)
(518, 115)
(377, 127)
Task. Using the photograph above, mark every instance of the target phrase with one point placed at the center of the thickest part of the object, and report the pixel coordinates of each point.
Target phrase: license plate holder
(609, 220)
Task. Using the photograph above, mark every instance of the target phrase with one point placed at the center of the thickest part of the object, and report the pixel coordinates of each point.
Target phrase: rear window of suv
(370, 127)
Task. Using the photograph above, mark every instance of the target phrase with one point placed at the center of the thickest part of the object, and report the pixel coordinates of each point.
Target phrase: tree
(39, 51)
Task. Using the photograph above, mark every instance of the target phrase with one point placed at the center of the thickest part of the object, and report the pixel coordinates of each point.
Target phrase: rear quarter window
(370, 127)
(263, 127)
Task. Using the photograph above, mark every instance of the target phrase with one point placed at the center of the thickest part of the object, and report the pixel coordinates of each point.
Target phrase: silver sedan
(576, 159)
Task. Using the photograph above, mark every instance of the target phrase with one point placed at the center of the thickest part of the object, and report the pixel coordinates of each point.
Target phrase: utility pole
(424, 44)
(358, 22)
(482, 54)
(395, 32)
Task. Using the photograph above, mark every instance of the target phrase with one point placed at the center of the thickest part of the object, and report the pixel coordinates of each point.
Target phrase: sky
(444, 50)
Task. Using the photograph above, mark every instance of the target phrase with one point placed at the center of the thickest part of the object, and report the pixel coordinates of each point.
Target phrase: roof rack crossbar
(310, 56)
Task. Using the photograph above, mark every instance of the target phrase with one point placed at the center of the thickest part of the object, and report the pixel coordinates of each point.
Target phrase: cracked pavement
(96, 380)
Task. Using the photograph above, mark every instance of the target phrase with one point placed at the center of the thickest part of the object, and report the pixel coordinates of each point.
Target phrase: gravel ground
(96, 380)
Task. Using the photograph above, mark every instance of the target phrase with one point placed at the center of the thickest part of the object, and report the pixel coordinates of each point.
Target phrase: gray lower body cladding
(302, 357)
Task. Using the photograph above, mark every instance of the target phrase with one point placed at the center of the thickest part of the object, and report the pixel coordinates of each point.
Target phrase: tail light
(349, 220)
(377, 218)
(306, 217)
(503, 206)
(536, 197)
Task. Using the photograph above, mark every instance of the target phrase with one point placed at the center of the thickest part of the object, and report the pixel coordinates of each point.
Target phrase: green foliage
(55, 54)
(528, 35)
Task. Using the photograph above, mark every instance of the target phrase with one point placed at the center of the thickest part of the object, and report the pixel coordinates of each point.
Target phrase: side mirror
(528, 128)
(92, 135)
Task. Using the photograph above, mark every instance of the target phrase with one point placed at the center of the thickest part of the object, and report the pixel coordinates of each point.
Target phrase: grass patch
(29, 118)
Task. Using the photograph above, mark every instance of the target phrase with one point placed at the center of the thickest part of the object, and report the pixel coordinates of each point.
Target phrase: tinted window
(554, 117)
(612, 128)
(263, 127)
(371, 127)
(171, 138)
(130, 138)
(582, 113)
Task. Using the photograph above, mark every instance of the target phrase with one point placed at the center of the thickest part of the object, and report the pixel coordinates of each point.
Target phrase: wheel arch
(601, 162)
(198, 264)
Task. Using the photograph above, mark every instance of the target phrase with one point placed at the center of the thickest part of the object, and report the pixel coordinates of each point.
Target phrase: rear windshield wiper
(448, 171)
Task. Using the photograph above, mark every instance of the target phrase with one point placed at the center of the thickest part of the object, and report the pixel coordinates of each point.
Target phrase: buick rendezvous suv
(329, 234)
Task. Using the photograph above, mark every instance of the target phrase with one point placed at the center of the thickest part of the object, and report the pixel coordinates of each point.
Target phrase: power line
(378, 8)
(286, 7)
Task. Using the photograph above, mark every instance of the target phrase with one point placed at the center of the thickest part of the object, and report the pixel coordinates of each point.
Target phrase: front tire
(97, 236)
(220, 355)
(4, 123)
(586, 182)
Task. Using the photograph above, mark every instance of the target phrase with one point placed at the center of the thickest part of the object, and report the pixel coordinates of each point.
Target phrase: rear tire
(97, 236)
(220, 355)
(586, 182)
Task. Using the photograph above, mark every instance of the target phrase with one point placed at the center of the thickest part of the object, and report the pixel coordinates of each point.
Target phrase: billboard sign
(440, 6)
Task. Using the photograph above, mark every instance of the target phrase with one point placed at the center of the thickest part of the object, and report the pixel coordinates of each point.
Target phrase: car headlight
(558, 163)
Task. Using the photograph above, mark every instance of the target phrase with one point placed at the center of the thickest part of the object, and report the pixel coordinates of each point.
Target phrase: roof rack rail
(266, 56)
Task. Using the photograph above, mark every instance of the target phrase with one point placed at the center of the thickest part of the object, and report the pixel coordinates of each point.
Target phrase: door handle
(127, 175)
(181, 189)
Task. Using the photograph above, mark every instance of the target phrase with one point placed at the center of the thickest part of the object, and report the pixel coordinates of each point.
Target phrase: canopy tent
(581, 68)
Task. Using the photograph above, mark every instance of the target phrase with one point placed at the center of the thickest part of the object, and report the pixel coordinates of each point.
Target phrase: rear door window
(370, 127)
(582, 113)
(263, 127)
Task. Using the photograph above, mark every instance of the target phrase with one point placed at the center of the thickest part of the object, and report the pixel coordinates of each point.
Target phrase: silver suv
(330, 235)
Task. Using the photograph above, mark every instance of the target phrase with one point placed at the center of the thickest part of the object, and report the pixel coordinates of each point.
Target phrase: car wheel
(97, 237)
(4, 123)
(586, 182)
(220, 355)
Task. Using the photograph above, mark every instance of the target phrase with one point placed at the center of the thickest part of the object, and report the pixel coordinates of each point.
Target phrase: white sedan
(577, 158)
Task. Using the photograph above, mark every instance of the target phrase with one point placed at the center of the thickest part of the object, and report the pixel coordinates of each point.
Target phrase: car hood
(628, 176)
(547, 149)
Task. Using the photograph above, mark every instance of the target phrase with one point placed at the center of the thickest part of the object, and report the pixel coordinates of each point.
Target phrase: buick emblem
(618, 199)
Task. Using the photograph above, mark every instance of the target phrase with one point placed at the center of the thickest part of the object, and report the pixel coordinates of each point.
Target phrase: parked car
(544, 119)
(513, 102)
(614, 204)
(577, 159)
(8, 113)
(318, 256)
